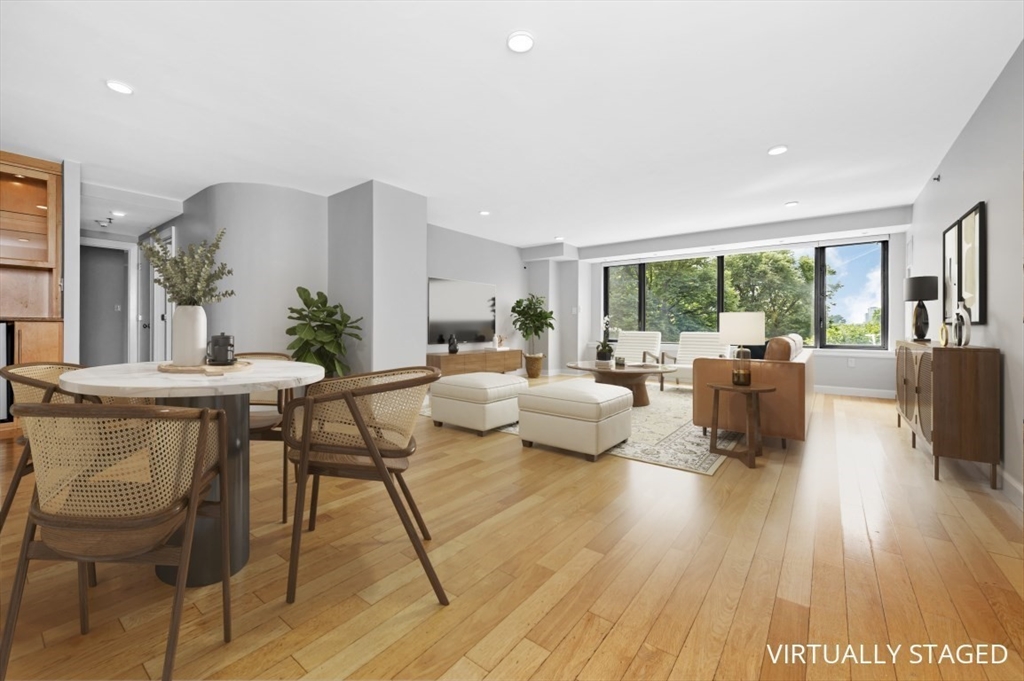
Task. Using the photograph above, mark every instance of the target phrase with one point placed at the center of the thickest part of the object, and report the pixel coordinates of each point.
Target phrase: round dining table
(226, 389)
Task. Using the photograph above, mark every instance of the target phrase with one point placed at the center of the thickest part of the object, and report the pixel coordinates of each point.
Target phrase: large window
(853, 295)
(833, 296)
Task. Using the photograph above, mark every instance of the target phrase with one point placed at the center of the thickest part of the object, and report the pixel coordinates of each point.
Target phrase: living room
(372, 240)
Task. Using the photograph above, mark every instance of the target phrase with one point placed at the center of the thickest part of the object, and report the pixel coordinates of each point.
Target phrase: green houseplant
(190, 279)
(320, 332)
(531, 318)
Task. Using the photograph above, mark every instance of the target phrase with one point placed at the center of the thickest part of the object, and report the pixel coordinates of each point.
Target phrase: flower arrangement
(189, 277)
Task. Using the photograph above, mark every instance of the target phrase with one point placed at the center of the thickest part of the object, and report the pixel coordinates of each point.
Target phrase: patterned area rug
(663, 433)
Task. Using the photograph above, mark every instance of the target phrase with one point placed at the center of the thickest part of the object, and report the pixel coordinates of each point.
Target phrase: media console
(469, 361)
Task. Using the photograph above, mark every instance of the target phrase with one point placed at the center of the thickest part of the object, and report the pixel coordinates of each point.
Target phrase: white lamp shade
(741, 328)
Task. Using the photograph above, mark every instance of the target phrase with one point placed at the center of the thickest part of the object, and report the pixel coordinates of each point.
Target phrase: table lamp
(741, 328)
(920, 289)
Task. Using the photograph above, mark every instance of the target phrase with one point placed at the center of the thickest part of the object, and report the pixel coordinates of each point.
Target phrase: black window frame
(820, 328)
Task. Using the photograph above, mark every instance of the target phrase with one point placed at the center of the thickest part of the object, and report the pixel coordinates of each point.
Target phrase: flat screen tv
(464, 309)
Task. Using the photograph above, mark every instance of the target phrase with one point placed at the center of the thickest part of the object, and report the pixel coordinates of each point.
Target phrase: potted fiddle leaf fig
(320, 332)
(531, 318)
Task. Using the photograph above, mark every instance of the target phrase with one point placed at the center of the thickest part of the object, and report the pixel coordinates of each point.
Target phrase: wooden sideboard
(469, 361)
(951, 397)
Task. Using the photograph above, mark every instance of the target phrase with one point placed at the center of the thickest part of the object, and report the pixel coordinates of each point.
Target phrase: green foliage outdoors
(321, 331)
(531, 318)
(189, 277)
(682, 295)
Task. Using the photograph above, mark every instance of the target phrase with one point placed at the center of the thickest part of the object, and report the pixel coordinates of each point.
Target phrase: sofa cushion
(480, 388)
(577, 399)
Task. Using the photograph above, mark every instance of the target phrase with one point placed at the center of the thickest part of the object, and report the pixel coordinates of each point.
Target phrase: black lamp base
(920, 322)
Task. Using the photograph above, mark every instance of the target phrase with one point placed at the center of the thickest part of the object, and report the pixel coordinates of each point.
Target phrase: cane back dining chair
(112, 484)
(266, 408)
(359, 427)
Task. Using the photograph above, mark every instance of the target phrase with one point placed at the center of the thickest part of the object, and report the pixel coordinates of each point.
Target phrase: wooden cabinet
(30, 237)
(470, 361)
(950, 397)
(38, 341)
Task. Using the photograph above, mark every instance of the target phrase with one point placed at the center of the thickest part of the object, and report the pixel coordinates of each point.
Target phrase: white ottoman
(480, 401)
(578, 415)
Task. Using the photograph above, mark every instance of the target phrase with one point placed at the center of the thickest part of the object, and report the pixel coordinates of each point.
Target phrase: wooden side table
(752, 394)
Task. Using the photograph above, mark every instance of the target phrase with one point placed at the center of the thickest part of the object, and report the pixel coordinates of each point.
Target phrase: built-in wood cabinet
(30, 238)
(950, 397)
(470, 361)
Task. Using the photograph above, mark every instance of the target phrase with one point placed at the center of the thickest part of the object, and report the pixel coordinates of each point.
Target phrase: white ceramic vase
(188, 336)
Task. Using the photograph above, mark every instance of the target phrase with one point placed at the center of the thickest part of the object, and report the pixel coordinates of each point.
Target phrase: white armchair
(692, 344)
(639, 346)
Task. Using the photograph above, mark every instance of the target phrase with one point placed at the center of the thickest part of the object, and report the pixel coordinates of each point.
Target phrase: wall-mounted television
(464, 309)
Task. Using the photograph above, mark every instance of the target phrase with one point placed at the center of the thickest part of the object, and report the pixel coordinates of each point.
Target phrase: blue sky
(858, 267)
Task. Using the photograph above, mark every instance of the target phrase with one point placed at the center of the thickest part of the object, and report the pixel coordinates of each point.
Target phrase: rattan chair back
(266, 397)
(36, 382)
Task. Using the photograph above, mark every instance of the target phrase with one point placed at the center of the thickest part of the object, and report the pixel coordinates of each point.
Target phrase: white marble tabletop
(145, 380)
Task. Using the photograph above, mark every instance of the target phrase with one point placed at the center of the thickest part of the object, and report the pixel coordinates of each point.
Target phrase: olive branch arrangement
(189, 277)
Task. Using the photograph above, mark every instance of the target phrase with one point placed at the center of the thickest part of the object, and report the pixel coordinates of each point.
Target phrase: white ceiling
(627, 120)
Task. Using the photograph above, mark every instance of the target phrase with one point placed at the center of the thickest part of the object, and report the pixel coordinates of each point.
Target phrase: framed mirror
(964, 275)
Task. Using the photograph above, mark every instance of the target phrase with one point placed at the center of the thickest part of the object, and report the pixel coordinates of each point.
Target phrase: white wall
(454, 255)
(72, 178)
(274, 242)
(542, 280)
(984, 164)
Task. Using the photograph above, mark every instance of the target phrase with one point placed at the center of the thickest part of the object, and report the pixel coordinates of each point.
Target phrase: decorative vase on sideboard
(962, 325)
(188, 336)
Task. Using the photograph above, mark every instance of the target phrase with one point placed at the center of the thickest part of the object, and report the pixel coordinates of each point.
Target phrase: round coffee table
(632, 376)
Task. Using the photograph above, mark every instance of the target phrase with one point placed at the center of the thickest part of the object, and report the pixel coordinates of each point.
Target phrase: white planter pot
(188, 336)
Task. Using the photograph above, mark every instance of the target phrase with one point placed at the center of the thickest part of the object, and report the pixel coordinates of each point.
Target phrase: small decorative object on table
(453, 345)
(962, 325)
(220, 351)
(190, 279)
(943, 335)
(604, 351)
(620, 361)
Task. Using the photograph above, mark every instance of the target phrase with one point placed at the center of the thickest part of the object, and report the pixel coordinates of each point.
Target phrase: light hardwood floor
(558, 568)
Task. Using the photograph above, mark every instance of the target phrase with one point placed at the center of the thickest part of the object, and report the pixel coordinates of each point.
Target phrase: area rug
(663, 434)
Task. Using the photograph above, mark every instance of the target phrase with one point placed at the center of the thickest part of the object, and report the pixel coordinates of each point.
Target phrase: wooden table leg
(714, 424)
(640, 396)
(758, 440)
(752, 431)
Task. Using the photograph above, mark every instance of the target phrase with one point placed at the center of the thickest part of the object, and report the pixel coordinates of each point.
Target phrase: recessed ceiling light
(20, 177)
(520, 42)
(24, 241)
(792, 204)
(119, 87)
(117, 214)
(485, 213)
(779, 149)
(559, 238)
(40, 207)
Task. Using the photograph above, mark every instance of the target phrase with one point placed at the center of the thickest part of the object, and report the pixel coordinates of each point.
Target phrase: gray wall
(350, 254)
(542, 280)
(274, 242)
(984, 164)
(399, 277)
(454, 255)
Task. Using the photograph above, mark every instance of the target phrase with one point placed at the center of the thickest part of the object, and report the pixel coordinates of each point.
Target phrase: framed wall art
(964, 274)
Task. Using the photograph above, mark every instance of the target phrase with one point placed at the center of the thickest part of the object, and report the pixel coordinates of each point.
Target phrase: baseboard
(1013, 489)
(855, 392)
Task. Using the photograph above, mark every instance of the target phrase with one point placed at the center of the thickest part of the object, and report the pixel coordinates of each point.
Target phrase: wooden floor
(562, 569)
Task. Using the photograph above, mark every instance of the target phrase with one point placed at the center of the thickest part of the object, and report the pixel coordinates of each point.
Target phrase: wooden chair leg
(92, 573)
(83, 598)
(293, 557)
(179, 591)
(20, 575)
(312, 502)
(412, 506)
(421, 552)
(284, 485)
(225, 554)
(22, 468)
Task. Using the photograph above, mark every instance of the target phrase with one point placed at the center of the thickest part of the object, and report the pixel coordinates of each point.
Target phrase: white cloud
(854, 306)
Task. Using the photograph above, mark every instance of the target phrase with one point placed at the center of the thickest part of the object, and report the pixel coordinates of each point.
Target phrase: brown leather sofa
(785, 413)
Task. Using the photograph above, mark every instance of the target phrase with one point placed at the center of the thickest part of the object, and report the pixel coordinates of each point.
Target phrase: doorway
(109, 321)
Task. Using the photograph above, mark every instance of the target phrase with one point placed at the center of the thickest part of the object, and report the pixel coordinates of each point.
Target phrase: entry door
(105, 322)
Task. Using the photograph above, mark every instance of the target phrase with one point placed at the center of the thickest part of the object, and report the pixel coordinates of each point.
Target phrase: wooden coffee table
(632, 376)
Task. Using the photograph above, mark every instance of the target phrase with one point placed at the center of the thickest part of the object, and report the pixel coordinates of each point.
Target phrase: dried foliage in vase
(189, 276)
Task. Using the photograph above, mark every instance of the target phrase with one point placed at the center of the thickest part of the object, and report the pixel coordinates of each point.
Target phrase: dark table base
(204, 565)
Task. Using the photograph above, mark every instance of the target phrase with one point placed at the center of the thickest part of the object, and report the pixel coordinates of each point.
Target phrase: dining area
(135, 484)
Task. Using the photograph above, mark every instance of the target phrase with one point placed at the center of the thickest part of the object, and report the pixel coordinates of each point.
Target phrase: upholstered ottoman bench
(578, 415)
(479, 401)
